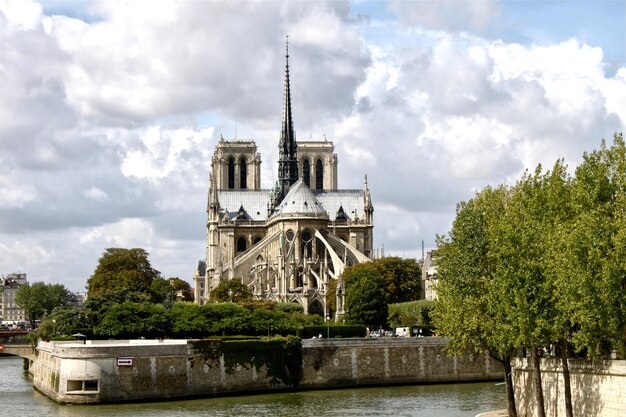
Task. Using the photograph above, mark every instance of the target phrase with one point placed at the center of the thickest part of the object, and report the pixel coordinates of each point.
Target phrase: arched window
(243, 179)
(316, 307)
(241, 244)
(306, 172)
(307, 245)
(319, 175)
(231, 173)
(256, 240)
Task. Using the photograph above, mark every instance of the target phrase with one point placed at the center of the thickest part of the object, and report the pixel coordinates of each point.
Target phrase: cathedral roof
(300, 200)
(253, 202)
(350, 200)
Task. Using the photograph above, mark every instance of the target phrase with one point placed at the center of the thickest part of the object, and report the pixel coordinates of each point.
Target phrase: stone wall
(369, 361)
(145, 370)
(598, 387)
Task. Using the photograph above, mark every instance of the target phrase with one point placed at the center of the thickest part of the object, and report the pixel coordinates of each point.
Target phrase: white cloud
(107, 125)
(13, 194)
(20, 15)
(95, 193)
(164, 151)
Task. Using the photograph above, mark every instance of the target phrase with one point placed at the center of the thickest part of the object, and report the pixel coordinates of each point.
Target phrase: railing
(12, 332)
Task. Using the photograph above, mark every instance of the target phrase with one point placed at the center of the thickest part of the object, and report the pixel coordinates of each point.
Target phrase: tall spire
(287, 147)
(287, 134)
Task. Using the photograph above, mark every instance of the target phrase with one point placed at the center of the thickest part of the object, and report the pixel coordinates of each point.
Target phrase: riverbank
(18, 398)
(143, 370)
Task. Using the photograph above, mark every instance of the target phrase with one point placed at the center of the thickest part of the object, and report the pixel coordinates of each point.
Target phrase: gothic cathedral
(288, 243)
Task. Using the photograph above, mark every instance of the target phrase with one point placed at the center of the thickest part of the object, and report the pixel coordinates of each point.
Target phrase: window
(89, 386)
(243, 178)
(307, 245)
(241, 244)
(319, 175)
(231, 173)
(306, 172)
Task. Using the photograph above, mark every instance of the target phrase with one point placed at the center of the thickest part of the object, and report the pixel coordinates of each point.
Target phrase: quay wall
(598, 387)
(140, 370)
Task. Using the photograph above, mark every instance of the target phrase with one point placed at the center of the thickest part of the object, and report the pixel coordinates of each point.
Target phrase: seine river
(19, 399)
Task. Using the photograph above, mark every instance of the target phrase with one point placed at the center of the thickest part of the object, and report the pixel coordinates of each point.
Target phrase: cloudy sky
(110, 111)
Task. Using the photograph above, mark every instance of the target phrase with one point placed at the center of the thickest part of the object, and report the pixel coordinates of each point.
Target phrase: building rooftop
(300, 200)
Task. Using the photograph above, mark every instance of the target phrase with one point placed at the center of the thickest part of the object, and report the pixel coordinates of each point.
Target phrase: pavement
(499, 413)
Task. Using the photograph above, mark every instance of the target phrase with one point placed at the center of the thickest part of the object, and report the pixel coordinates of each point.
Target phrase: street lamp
(328, 327)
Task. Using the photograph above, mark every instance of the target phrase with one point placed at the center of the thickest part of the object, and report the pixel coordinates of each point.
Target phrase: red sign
(124, 361)
(1, 348)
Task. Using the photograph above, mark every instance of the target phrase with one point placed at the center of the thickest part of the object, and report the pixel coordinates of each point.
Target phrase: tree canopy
(120, 268)
(402, 278)
(366, 297)
(539, 264)
(182, 287)
(39, 299)
(230, 291)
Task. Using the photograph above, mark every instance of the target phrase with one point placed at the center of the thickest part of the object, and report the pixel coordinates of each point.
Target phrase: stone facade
(286, 244)
(9, 310)
(429, 276)
(133, 370)
(598, 387)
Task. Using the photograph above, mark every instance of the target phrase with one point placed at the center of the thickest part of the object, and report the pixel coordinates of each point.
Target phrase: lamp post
(328, 327)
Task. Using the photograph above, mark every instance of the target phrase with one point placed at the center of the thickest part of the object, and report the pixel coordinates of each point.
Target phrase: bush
(332, 331)
(411, 313)
(188, 320)
(132, 320)
(290, 307)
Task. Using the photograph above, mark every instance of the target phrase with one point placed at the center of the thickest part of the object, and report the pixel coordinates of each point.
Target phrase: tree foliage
(402, 278)
(540, 264)
(162, 292)
(98, 305)
(366, 297)
(132, 320)
(182, 287)
(120, 268)
(39, 299)
(411, 313)
(230, 291)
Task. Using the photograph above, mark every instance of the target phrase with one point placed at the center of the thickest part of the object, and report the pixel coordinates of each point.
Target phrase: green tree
(230, 291)
(39, 299)
(466, 312)
(162, 292)
(402, 278)
(118, 268)
(592, 284)
(69, 320)
(97, 306)
(182, 287)
(188, 320)
(133, 320)
(366, 298)
(331, 297)
(522, 280)
(227, 318)
(411, 313)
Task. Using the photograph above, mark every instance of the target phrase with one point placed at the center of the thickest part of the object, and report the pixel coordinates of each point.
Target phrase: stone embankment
(598, 387)
(140, 370)
(499, 413)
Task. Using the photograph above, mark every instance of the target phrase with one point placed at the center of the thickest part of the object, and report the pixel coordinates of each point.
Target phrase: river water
(19, 399)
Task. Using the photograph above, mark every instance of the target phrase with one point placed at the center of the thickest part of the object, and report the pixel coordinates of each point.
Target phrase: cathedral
(286, 244)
